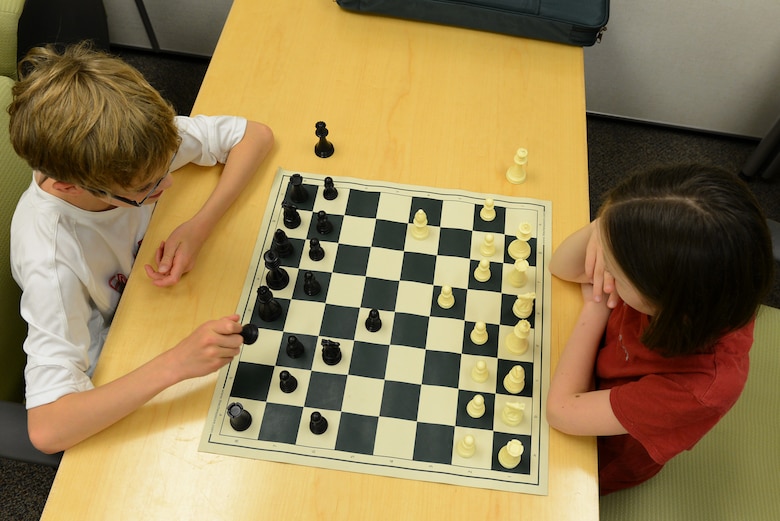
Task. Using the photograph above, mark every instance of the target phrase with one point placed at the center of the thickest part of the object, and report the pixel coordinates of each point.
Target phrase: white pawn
(524, 305)
(482, 273)
(517, 340)
(512, 413)
(519, 275)
(479, 334)
(516, 173)
(488, 211)
(420, 225)
(514, 381)
(510, 454)
(446, 299)
(519, 248)
(466, 447)
(476, 406)
(488, 247)
(480, 373)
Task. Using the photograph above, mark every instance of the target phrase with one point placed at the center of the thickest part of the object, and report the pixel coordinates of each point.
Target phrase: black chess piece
(287, 382)
(331, 352)
(318, 423)
(277, 277)
(373, 322)
(281, 244)
(329, 192)
(323, 148)
(297, 191)
(267, 307)
(250, 333)
(240, 419)
(316, 253)
(294, 347)
(324, 226)
(291, 217)
(310, 285)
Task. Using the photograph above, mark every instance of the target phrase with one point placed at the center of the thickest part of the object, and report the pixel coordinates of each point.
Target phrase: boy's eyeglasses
(140, 203)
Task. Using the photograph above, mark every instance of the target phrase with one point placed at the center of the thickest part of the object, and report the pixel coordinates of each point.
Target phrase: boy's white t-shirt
(72, 266)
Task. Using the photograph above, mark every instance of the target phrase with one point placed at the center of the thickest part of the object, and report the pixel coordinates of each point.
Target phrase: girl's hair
(90, 119)
(694, 242)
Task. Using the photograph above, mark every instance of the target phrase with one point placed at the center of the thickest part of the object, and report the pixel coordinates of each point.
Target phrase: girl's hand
(595, 269)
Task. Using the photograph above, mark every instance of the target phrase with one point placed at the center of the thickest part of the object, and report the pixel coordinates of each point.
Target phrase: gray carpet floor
(615, 148)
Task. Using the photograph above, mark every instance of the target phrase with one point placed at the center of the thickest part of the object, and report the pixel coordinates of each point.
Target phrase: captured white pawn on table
(519, 248)
(516, 173)
(420, 225)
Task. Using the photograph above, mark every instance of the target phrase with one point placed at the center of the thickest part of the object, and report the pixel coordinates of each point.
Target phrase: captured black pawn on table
(296, 190)
(277, 277)
(323, 148)
(240, 419)
(267, 307)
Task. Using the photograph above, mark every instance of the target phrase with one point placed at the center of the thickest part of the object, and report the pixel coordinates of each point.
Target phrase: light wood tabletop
(404, 101)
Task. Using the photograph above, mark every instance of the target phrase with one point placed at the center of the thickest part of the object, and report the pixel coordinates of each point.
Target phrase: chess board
(396, 402)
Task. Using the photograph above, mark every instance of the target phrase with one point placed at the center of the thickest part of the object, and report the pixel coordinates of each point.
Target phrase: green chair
(733, 473)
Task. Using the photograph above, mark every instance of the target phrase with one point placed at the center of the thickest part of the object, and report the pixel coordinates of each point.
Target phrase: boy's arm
(177, 254)
(72, 418)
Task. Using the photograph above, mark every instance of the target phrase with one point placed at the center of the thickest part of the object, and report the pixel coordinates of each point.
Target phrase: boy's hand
(602, 280)
(211, 346)
(176, 256)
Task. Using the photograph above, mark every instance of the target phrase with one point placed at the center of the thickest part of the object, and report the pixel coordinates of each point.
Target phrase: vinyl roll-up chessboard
(400, 401)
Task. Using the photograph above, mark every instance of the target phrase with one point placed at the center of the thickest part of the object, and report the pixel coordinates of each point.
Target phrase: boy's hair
(90, 119)
(694, 242)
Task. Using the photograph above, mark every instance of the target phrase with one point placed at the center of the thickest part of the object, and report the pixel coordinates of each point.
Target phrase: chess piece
(297, 191)
(519, 248)
(510, 454)
(524, 305)
(331, 352)
(323, 148)
(268, 309)
(250, 333)
(310, 285)
(287, 382)
(476, 406)
(479, 334)
(488, 211)
(516, 173)
(519, 275)
(517, 340)
(514, 381)
(316, 253)
(240, 419)
(488, 247)
(373, 322)
(277, 277)
(294, 347)
(446, 299)
(420, 225)
(482, 273)
(512, 413)
(329, 191)
(318, 424)
(466, 447)
(480, 373)
(290, 218)
(324, 226)
(281, 244)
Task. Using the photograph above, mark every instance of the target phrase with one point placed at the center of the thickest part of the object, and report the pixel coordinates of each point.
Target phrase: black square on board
(339, 321)
(310, 189)
(326, 391)
(280, 423)
(276, 325)
(390, 235)
(322, 277)
(500, 439)
(252, 381)
(352, 260)
(305, 360)
(369, 360)
(493, 283)
(400, 400)
(431, 207)
(409, 330)
(356, 433)
(455, 243)
(433, 443)
(504, 366)
(458, 309)
(508, 318)
(380, 294)
(441, 369)
(294, 259)
(489, 348)
(483, 422)
(362, 204)
(494, 226)
(333, 236)
(418, 267)
(531, 256)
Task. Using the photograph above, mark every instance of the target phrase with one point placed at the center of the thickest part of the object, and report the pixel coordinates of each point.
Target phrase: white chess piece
(479, 334)
(514, 381)
(476, 406)
(516, 173)
(480, 373)
(466, 447)
(420, 225)
(488, 211)
(524, 305)
(482, 273)
(519, 248)
(488, 247)
(510, 454)
(446, 299)
(512, 413)
(519, 275)
(517, 340)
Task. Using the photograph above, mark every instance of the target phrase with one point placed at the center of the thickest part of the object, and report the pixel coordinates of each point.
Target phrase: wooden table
(404, 101)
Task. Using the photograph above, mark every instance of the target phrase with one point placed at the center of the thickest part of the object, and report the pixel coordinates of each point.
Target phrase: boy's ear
(67, 188)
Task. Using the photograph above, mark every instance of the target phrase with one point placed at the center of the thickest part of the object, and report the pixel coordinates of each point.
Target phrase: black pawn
(318, 423)
(268, 309)
(331, 352)
(240, 419)
(329, 192)
(250, 333)
(323, 148)
(281, 244)
(287, 382)
(373, 322)
(277, 277)
(298, 193)
(324, 226)
(316, 253)
(294, 347)
(310, 285)
(291, 218)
